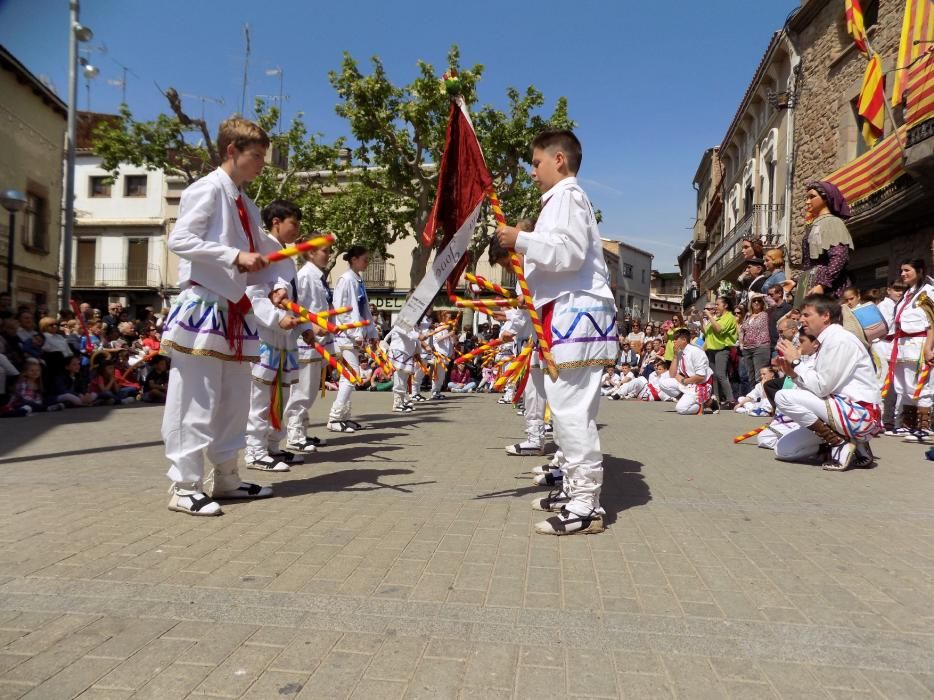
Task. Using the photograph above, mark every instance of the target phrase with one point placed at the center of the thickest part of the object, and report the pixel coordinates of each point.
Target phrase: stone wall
(832, 71)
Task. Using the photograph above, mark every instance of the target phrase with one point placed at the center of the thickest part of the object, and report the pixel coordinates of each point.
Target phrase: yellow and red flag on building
(871, 105)
(917, 38)
(855, 26)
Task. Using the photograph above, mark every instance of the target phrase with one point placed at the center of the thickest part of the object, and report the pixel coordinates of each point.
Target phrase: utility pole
(246, 66)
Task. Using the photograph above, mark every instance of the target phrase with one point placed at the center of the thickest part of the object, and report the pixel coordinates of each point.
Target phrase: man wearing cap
(837, 396)
(755, 272)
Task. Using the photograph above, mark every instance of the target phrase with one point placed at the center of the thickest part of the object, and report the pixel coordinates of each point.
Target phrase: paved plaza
(401, 563)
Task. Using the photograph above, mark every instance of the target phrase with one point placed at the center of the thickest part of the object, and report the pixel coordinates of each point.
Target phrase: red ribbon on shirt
(236, 310)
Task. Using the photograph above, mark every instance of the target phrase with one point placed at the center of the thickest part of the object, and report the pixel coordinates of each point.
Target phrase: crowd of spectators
(50, 362)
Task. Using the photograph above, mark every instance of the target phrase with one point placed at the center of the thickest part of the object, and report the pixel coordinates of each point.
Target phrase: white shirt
(209, 235)
(841, 366)
(280, 275)
(444, 342)
(911, 317)
(347, 293)
(693, 361)
(564, 254)
(313, 295)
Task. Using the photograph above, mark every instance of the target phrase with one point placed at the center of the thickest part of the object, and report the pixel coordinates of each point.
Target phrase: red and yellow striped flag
(871, 106)
(854, 24)
(917, 37)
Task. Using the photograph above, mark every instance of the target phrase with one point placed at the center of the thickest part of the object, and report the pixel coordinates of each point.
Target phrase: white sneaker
(340, 426)
(526, 449)
(193, 502)
(305, 446)
(897, 432)
(567, 523)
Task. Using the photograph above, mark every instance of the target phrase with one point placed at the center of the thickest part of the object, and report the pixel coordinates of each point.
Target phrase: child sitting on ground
(756, 403)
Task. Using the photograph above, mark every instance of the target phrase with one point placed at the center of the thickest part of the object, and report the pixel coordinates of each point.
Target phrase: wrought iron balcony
(761, 223)
(116, 275)
(379, 274)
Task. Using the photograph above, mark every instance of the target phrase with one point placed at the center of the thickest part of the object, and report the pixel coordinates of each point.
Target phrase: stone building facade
(892, 219)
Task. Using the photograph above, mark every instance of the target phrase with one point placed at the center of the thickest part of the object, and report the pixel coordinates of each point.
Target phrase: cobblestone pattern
(400, 563)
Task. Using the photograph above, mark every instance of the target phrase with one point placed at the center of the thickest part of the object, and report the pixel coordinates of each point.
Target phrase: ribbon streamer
(299, 248)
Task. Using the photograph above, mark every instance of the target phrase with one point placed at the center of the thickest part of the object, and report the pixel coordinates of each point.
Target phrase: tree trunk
(420, 254)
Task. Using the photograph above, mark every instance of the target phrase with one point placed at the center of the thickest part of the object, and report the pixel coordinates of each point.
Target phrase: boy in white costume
(689, 377)
(837, 396)
(210, 332)
(315, 295)
(423, 359)
(756, 403)
(443, 342)
(350, 291)
(567, 275)
(402, 346)
(277, 368)
(624, 379)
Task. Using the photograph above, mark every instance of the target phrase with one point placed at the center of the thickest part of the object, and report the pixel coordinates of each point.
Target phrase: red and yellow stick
(513, 368)
(385, 359)
(379, 363)
(320, 319)
(347, 372)
(487, 303)
(489, 286)
(752, 433)
(922, 380)
(299, 248)
(526, 293)
(478, 351)
(445, 326)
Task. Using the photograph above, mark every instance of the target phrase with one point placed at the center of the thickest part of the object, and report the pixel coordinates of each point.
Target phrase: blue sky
(651, 85)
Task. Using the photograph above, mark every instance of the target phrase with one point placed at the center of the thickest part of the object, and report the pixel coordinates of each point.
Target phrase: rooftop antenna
(203, 99)
(246, 65)
(88, 70)
(121, 83)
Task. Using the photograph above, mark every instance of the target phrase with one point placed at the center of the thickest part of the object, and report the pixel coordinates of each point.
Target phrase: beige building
(708, 226)
(890, 187)
(755, 166)
(32, 138)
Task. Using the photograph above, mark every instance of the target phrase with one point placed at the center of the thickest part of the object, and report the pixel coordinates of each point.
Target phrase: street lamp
(77, 32)
(13, 201)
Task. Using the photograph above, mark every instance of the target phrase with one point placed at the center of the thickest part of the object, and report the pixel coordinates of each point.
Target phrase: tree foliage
(396, 138)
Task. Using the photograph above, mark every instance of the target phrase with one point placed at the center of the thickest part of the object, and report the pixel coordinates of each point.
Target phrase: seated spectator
(127, 376)
(460, 380)
(103, 382)
(34, 345)
(756, 402)
(27, 394)
(378, 379)
(627, 355)
(610, 381)
(70, 388)
(152, 340)
(624, 378)
(486, 378)
(27, 325)
(157, 381)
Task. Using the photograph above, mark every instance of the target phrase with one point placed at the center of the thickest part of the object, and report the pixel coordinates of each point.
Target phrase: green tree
(397, 135)
(400, 135)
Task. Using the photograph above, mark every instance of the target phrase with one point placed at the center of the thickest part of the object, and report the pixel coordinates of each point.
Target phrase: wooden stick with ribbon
(476, 352)
(514, 368)
(487, 303)
(752, 433)
(299, 248)
(529, 305)
(319, 319)
(346, 372)
(489, 286)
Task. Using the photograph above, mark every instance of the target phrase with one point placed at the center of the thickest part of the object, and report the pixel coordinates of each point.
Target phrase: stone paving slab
(400, 563)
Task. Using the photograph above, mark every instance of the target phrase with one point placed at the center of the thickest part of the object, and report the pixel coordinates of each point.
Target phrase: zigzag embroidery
(593, 322)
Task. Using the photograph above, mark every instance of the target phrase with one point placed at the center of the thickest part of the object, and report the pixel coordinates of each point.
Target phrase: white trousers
(441, 374)
(685, 394)
(904, 382)
(205, 410)
(301, 399)
(340, 409)
(801, 406)
(633, 388)
(261, 437)
(575, 399)
(417, 376)
(400, 387)
(534, 399)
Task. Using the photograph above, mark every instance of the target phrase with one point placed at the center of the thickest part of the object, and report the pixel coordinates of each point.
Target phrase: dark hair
(918, 265)
(854, 290)
(778, 287)
(354, 251)
(804, 334)
(682, 333)
(562, 140)
(757, 247)
(661, 362)
(823, 304)
(727, 300)
(281, 209)
(498, 254)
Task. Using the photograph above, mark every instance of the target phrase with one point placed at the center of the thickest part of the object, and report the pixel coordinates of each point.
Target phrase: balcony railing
(761, 223)
(115, 275)
(507, 278)
(379, 274)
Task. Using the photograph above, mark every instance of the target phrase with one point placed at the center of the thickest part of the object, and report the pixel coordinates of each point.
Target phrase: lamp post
(76, 33)
(13, 201)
